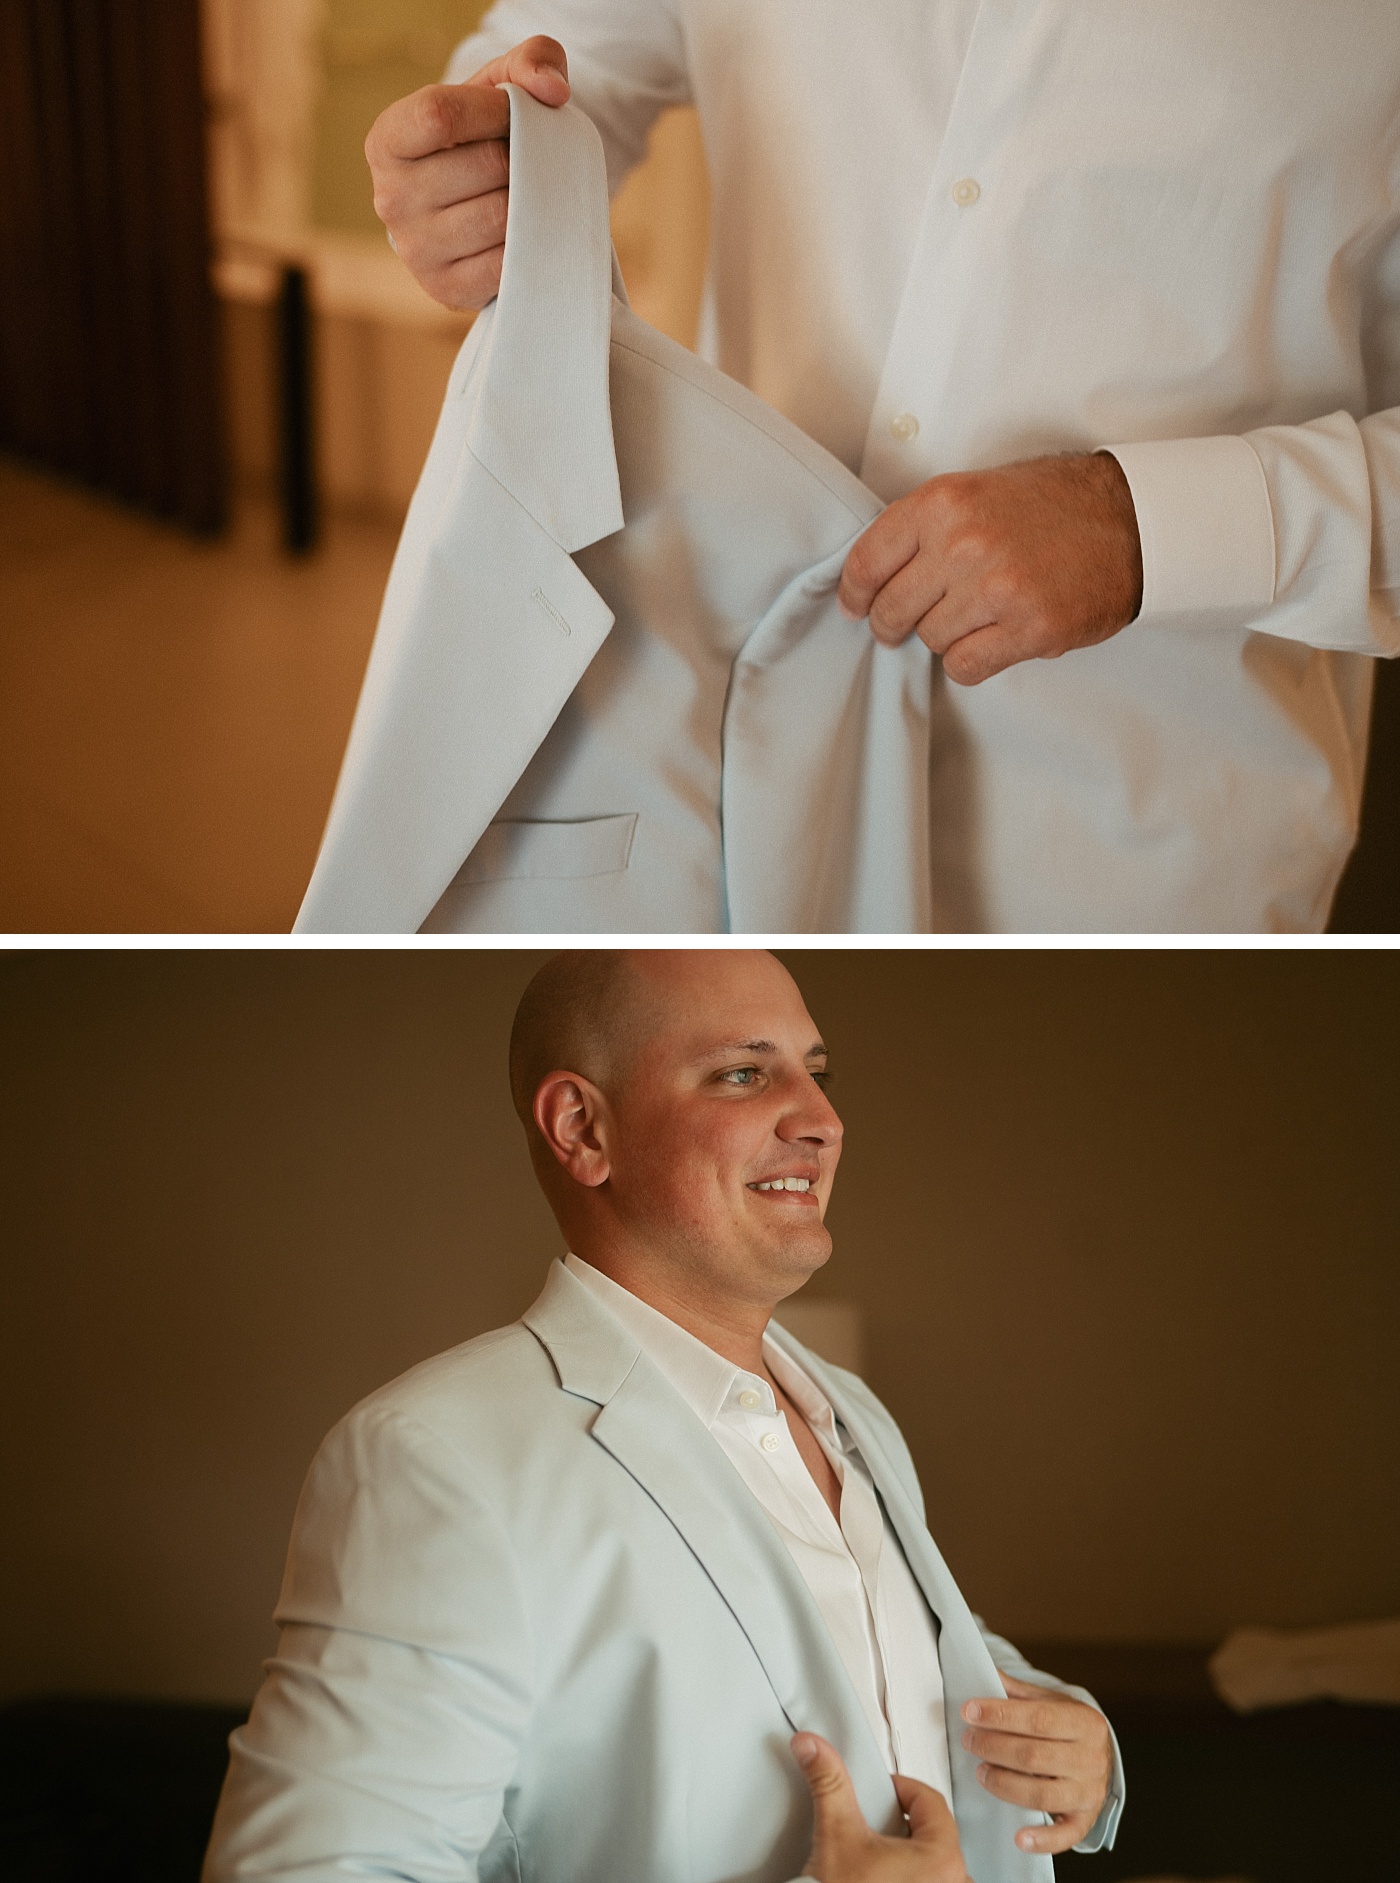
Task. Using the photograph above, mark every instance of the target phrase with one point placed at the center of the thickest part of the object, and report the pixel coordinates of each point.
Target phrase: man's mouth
(800, 1186)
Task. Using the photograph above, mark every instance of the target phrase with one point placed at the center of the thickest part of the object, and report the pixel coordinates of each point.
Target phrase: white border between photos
(932, 944)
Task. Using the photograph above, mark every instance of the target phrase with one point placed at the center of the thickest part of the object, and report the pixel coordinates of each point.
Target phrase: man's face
(723, 1144)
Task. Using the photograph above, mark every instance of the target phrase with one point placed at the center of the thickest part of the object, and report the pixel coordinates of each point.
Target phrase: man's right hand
(441, 168)
(846, 1850)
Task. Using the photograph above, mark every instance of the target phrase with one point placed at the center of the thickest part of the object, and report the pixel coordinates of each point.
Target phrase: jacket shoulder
(464, 1394)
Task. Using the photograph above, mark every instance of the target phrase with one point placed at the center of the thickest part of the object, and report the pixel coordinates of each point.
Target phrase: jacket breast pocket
(530, 850)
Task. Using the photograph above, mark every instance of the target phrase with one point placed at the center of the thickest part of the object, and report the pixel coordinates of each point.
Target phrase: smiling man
(638, 1589)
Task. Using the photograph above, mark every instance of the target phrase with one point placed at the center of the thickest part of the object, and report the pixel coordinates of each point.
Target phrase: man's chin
(796, 1255)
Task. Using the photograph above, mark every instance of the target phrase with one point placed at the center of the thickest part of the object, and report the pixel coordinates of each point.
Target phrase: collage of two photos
(699, 873)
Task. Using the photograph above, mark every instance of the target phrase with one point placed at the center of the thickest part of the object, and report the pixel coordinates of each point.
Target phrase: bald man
(639, 1590)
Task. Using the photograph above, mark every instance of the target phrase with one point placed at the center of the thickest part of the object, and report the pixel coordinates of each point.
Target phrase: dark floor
(114, 1792)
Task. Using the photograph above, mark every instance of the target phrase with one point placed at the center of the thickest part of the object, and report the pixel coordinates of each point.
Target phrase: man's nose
(812, 1116)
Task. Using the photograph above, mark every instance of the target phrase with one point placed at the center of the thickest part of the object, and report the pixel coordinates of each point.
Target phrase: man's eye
(740, 1075)
(823, 1079)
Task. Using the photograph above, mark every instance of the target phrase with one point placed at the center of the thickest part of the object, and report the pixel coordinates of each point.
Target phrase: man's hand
(846, 1850)
(993, 567)
(441, 169)
(1045, 1752)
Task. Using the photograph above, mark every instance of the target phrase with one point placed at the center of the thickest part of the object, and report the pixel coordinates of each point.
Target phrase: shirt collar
(704, 1379)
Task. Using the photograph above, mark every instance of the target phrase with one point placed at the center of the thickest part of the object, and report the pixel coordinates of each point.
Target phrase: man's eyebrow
(815, 1051)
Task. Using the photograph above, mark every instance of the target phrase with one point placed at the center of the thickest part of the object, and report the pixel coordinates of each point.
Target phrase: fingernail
(804, 1749)
(972, 1711)
(848, 611)
(984, 1772)
(1026, 1840)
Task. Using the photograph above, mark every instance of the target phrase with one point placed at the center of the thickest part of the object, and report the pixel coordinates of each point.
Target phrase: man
(588, 1598)
(1159, 242)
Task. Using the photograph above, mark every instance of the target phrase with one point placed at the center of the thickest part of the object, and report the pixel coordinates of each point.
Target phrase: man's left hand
(1045, 1752)
(994, 567)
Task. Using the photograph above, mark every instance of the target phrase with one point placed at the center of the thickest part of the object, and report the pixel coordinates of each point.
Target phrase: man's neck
(732, 1329)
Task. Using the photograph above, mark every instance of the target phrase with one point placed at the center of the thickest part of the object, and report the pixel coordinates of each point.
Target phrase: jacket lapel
(986, 1826)
(488, 625)
(646, 1427)
(542, 419)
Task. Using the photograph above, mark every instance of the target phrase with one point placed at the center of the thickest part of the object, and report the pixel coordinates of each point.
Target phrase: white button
(966, 191)
(770, 1441)
(904, 427)
(750, 1399)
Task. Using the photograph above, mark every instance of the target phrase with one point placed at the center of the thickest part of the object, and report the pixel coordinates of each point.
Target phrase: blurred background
(1116, 1232)
(208, 354)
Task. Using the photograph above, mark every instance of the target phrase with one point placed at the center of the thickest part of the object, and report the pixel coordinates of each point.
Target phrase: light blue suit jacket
(534, 1626)
(612, 690)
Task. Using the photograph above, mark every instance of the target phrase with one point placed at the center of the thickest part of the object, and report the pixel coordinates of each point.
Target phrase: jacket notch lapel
(542, 416)
(655, 1437)
(986, 1826)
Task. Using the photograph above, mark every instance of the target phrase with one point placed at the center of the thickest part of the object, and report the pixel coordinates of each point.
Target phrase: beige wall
(1124, 1228)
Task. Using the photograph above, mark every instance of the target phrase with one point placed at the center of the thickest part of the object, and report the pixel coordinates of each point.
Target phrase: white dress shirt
(881, 1625)
(950, 233)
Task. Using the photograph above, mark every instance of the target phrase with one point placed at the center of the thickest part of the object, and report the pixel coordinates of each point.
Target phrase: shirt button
(770, 1441)
(750, 1399)
(966, 191)
(904, 428)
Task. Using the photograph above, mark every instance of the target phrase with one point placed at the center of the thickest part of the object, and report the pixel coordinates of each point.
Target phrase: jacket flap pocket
(520, 850)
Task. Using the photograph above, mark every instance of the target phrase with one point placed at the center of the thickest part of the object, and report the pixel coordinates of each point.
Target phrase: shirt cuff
(1207, 529)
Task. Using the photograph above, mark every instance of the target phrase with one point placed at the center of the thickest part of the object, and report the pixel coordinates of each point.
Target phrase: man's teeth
(785, 1183)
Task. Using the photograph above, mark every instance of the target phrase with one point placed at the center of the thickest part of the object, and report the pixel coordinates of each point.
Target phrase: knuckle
(388, 203)
(858, 564)
(434, 113)
(950, 499)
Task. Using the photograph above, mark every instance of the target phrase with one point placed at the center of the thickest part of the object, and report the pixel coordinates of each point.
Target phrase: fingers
(891, 541)
(1041, 1758)
(1059, 1797)
(1032, 1711)
(436, 118)
(436, 242)
(1054, 1839)
(539, 66)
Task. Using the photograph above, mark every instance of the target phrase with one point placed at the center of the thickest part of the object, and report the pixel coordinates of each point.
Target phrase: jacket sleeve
(389, 1723)
(1293, 529)
(1009, 1660)
(626, 62)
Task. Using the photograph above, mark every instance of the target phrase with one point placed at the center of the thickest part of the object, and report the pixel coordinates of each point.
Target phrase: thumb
(836, 1812)
(930, 1819)
(539, 66)
(933, 1827)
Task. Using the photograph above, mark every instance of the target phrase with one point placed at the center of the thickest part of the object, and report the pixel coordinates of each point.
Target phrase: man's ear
(571, 1115)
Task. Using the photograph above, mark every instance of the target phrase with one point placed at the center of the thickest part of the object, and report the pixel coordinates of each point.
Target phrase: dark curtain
(108, 337)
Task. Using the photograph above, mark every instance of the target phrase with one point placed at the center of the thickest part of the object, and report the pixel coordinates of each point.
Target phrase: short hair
(581, 1012)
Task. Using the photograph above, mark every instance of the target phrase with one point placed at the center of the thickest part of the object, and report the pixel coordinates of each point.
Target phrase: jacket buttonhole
(547, 605)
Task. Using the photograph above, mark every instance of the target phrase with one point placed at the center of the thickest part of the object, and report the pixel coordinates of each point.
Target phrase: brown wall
(1124, 1227)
